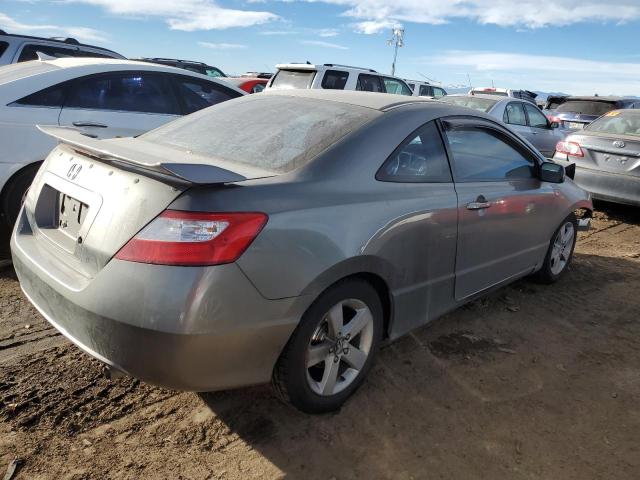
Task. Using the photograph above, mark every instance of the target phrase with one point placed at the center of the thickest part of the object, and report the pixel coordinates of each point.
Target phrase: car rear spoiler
(150, 159)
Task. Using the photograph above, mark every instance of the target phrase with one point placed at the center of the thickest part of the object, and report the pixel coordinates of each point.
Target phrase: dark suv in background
(190, 65)
(22, 48)
(575, 113)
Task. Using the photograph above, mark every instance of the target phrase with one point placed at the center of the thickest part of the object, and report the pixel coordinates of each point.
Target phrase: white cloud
(319, 43)
(327, 32)
(83, 34)
(377, 14)
(188, 15)
(222, 46)
(370, 27)
(278, 32)
(544, 72)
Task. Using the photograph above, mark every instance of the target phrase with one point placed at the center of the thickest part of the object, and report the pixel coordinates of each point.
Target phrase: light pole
(397, 40)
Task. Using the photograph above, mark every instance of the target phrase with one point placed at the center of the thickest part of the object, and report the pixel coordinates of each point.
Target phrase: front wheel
(331, 350)
(560, 252)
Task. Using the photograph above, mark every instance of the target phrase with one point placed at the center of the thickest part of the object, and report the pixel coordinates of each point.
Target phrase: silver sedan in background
(522, 117)
(284, 236)
(607, 156)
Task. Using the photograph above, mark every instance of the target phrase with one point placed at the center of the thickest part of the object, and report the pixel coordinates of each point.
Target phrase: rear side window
(290, 79)
(127, 92)
(514, 114)
(214, 72)
(91, 54)
(369, 83)
(30, 52)
(3, 48)
(483, 154)
(197, 94)
(586, 107)
(392, 85)
(425, 91)
(335, 79)
(536, 118)
(412, 86)
(49, 97)
(421, 158)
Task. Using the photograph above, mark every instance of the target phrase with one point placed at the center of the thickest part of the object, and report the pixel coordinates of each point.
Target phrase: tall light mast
(397, 40)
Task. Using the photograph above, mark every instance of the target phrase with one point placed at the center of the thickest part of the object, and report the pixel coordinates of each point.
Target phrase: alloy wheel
(562, 246)
(339, 347)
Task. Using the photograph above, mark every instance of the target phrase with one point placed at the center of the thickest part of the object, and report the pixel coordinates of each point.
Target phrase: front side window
(198, 94)
(30, 52)
(425, 91)
(392, 85)
(335, 79)
(126, 91)
(536, 118)
(483, 154)
(438, 92)
(292, 79)
(421, 158)
(49, 97)
(514, 114)
(369, 83)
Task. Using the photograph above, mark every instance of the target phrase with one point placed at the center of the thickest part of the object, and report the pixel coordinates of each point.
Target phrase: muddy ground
(531, 382)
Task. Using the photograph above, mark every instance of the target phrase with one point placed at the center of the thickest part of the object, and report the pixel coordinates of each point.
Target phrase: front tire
(560, 252)
(332, 349)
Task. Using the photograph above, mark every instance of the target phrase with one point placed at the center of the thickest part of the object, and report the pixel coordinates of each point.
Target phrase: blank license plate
(71, 214)
(576, 125)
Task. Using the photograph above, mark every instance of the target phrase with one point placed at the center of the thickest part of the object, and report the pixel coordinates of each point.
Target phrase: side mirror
(554, 125)
(551, 172)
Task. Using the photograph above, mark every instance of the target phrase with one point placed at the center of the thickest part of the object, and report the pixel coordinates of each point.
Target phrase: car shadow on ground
(617, 212)
(530, 372)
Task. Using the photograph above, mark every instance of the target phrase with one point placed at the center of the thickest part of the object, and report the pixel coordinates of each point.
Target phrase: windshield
(482, 104)
(586, 107)
(272, 132)
(619, 122)
(289, 79)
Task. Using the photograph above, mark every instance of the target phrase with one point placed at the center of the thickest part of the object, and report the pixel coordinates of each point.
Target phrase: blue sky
(574, 46)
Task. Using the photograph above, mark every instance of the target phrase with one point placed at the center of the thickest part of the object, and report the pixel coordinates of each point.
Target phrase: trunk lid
(608, 153)
(90, 197)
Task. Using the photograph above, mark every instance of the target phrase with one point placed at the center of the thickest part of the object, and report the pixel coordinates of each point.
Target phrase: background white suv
(22, 48)
(336, 77)
(425, 89)
(101, 98)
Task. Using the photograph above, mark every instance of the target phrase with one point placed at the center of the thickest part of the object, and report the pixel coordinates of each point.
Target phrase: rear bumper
(613, 187)
(194, 328)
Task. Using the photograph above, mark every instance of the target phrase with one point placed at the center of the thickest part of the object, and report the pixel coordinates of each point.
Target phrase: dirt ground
(533, 382)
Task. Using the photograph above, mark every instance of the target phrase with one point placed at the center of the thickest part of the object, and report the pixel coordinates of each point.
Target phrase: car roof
(603, 98)
(377, 101)
(494, 98)
(62, 41)
(311, 66)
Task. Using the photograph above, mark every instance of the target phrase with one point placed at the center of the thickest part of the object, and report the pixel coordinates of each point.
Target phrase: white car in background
(102, 98)
(331, 76)
(425, 89)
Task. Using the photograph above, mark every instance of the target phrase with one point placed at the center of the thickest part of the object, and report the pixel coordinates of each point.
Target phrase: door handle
(479, 204)
(89, 124)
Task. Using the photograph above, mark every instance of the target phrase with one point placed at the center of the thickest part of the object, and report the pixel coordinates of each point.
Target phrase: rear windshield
(288, 79)
(482, 104)
(271, 132)
(586, 107)
(554, 103)
(617, 122)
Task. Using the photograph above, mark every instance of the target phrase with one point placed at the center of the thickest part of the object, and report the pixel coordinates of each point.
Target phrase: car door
(119, 104)
(543, 137)
(503, 208)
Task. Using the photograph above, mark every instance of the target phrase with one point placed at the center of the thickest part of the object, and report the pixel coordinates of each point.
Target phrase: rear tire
(332, 349)
(15, 192)
(560, 252)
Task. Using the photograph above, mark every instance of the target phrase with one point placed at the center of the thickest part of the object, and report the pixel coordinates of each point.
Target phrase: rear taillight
(570, 148)
(193, 238)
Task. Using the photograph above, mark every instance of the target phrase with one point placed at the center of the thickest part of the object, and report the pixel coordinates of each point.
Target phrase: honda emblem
(74, 170)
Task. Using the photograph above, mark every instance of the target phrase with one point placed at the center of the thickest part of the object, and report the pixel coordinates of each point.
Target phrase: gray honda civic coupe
(284, 236)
